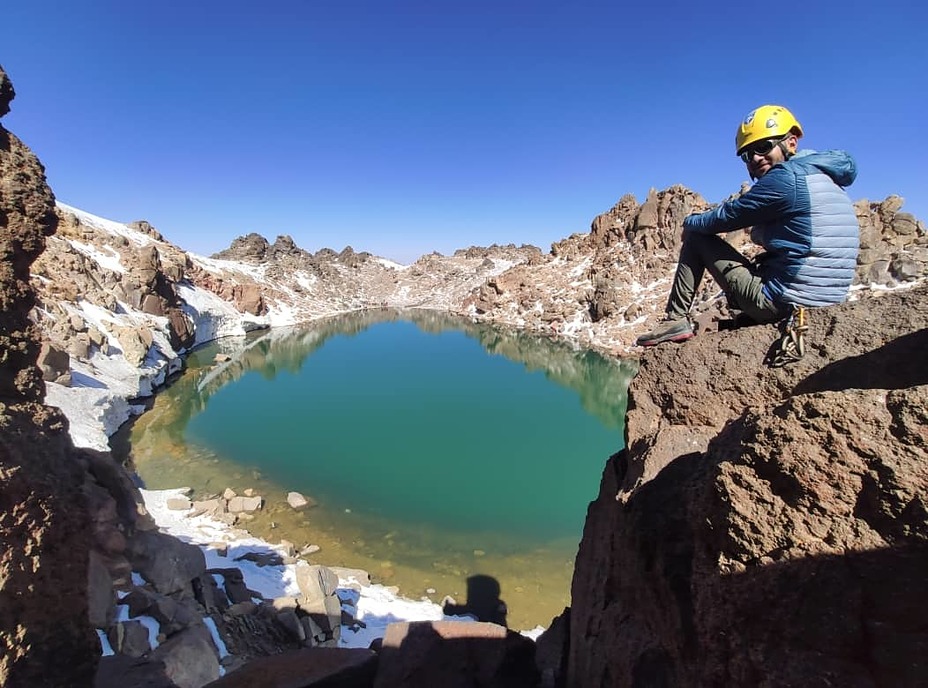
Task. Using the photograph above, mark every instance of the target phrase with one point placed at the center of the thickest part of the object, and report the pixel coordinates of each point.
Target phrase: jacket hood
(837, 164)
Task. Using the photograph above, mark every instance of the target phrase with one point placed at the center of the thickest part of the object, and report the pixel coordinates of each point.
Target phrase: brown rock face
(449, 653)
(766, 527)
(45, 635)
(322, 666)
(27, 216)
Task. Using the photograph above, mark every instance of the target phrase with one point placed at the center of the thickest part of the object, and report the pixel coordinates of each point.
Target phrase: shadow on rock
(451, 653)
(897, 364)
(483, 602)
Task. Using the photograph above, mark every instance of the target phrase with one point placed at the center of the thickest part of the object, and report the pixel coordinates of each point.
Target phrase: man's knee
(711, 248)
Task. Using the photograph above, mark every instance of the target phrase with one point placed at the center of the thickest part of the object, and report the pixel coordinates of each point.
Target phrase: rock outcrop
(766, 527)
(45, 633)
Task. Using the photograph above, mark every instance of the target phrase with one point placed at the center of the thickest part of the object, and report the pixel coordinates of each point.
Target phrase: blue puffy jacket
(805, 221)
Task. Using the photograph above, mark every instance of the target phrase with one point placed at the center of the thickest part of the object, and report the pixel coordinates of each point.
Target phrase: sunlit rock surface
(766, 527)
(45, 633)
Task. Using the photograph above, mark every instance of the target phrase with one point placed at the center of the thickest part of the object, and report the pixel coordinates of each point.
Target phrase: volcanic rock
(44, 526)
(766, 526)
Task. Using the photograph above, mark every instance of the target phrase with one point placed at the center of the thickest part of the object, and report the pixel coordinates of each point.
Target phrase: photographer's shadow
(483, 602)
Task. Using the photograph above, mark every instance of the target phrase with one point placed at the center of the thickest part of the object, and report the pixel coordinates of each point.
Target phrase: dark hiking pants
(734, 273)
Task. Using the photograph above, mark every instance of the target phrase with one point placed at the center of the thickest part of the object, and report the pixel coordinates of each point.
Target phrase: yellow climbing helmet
(763, 123)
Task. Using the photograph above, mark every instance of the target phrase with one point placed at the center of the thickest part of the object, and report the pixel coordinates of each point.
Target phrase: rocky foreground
(764, 527)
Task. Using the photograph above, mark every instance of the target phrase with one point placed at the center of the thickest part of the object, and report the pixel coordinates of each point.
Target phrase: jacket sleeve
(769, 198)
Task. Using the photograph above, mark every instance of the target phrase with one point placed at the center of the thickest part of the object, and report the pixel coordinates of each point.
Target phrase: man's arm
(769, 198)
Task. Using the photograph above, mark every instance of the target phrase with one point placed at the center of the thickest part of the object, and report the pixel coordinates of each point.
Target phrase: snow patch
(391, 264)
(108, 226)
(109, 261)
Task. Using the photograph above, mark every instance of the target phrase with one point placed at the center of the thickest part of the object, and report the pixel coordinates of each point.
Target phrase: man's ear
(792, 142)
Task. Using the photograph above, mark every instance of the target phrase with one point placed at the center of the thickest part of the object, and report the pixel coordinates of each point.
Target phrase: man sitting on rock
(798, 211)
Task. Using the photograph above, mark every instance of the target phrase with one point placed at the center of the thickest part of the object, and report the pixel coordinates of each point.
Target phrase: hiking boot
(669, 330)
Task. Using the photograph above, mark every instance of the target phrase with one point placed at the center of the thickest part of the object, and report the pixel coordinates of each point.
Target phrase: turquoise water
(420, 435)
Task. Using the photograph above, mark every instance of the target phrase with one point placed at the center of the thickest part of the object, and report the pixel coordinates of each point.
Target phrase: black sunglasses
(762, 147)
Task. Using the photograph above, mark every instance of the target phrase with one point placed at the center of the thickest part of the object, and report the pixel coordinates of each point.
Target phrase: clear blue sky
(403, 127)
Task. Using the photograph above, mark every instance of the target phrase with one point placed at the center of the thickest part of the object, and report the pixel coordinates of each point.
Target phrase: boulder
(129, 638)
(133, 343)
(167, 563)
(318, 585)
(189, 658)
(78, 348)
(100, 594)
(208, 594)
(452, 653)
(139, 601)
(53, 362)
(239, 505)
(318, 666)
(152, 304)
(298, 501)
(316, 630)
(234, 585)
(289, 620)
(362, 577)
(146, 227)
(178, 503)
(906, 269)
(249, 299)
(316, 582)
(905, 224)
(212, 507)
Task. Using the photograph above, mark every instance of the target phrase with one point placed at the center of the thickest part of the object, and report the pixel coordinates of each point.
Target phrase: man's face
(762, 155)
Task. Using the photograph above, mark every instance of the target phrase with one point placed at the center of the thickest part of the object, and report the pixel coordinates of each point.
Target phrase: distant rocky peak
(254, 248)
(285, 244)
(351, 258)
(250, 248)
(652, 224)
(325, 254)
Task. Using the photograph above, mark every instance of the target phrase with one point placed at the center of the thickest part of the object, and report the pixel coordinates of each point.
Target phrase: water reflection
(601, 383)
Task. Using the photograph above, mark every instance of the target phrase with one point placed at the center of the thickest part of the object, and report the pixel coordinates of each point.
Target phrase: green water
(436, 448)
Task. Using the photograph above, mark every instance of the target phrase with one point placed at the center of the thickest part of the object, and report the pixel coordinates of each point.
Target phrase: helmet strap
(787, 153)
